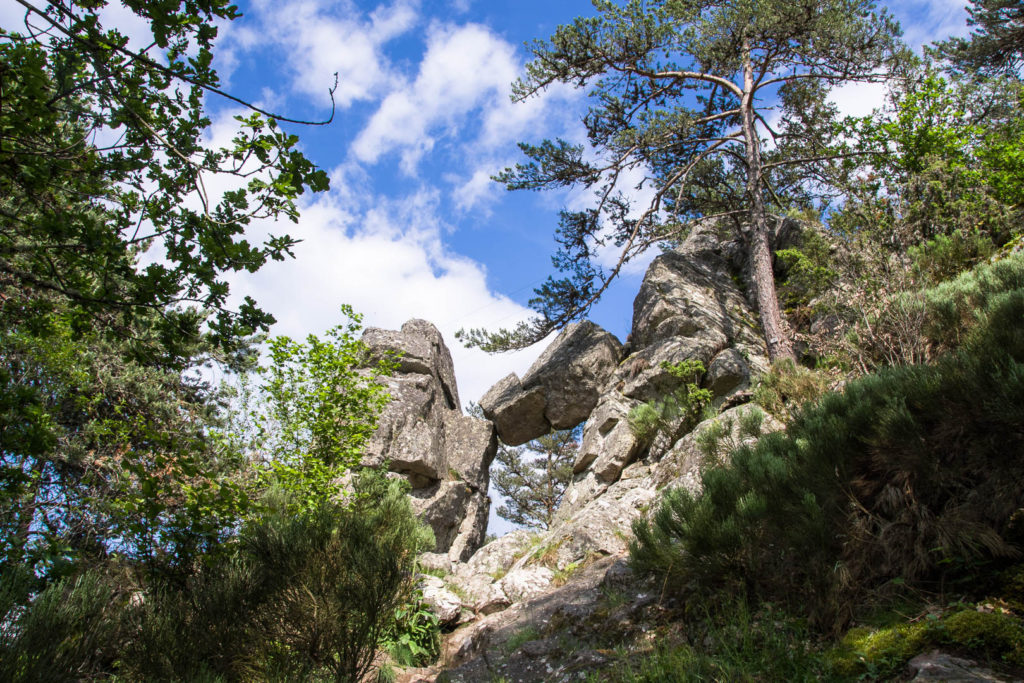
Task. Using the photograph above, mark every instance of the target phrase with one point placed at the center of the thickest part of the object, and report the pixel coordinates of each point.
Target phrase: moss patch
(993, 637)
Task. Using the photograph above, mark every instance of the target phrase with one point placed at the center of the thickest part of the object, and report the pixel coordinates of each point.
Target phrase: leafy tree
(533, 478)
(77, 211)
(190, 573)
(681, 93)
(106, 440)
(948, 179)
(102, 451)
(314, 410)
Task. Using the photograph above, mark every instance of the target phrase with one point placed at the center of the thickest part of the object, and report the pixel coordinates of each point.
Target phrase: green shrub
(956, 309)
(677, 411)
(723, 435)
(414, 636)
(880, 653)
(520, 637)
(946, 256)
(69, 631)
(787, 385)
(808, 271)
(307, 595)
(729, 642)
(912, 473)
(645, 420)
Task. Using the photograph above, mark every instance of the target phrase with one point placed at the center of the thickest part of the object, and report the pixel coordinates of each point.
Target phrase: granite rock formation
(692, 305)
(560, 389)
(424, 437)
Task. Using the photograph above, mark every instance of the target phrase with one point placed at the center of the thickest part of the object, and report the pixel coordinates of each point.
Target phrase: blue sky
(412, 227)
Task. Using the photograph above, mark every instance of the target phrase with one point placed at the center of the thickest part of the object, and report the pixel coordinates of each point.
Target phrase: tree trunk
(776, 335)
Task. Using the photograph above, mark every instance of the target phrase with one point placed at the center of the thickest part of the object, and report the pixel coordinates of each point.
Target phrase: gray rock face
(526, 582)
(937, 666)
(445, 604)
(728, 371)
(691, 306)
(572, 372)
(473, 529)
(595, 518)
(607, 435)
(560, 389)
(466, 438)
(421, 351)
(424, 436)
(479, 577)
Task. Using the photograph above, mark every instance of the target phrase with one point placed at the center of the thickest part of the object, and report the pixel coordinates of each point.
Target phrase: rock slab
(560, 389)
(424, 437)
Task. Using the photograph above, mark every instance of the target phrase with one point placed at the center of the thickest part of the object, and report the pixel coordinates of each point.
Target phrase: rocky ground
(554, 606)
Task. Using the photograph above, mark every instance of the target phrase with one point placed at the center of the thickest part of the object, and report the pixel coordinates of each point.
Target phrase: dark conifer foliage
(532, 478)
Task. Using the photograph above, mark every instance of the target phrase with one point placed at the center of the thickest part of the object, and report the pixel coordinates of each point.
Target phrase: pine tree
(996, 44)
(533, 478)
(681, 94)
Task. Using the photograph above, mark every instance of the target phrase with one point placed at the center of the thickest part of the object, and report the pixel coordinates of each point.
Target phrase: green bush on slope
(298, 596)
(912, 475)
(308, 596)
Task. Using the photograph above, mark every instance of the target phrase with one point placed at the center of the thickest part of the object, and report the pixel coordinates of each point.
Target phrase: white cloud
(464, 68)
(130, 24)
(858, 99)
(924, 22)
(387, 259)
(476, 191)
(319, 38)
(461, 94)
(927, 21)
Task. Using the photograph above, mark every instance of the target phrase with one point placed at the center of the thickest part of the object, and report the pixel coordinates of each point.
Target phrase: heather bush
(910, 477)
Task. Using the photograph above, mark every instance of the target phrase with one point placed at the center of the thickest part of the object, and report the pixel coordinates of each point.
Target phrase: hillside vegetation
(156, 526)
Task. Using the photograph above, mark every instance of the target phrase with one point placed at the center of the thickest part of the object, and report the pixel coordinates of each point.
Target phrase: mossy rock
(880, 652)
(883, 652)
(997, 636)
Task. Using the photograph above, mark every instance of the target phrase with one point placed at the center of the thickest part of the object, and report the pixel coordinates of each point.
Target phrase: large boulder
(410, 433)
(419, 349)
(692, 305)
(442, 602)
(466, 440)
(424, 437)
(517, 413)
(560, 389)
